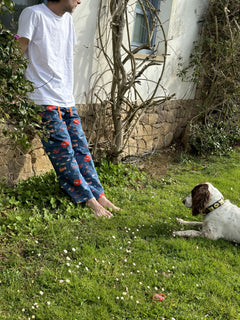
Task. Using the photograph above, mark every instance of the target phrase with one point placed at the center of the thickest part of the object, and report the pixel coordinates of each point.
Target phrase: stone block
(142, 131)
(21, 167)
(158, 143)
(168, 138)
(153, 118)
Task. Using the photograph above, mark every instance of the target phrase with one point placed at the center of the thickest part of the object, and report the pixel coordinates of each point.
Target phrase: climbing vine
(215, 67)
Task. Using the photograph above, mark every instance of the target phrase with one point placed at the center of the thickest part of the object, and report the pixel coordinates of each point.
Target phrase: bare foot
(106, 203)
(98, 209)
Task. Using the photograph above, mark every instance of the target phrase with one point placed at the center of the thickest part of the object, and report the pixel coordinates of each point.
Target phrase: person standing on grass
(46, 38)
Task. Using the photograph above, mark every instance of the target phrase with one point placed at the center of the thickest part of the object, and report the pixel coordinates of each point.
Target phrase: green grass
(59, 262)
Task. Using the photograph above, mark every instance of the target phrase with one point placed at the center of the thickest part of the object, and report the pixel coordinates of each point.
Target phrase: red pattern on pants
(67, 148)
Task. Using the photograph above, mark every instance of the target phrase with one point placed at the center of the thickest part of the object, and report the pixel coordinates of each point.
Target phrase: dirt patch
(158, 164)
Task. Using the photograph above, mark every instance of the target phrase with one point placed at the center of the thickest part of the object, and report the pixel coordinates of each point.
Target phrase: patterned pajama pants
(67, 148)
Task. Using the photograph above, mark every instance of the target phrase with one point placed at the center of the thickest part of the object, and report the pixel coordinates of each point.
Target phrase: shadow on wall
(85, 20)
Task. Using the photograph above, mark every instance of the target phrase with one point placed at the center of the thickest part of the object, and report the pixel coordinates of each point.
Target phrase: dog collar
(214, 206)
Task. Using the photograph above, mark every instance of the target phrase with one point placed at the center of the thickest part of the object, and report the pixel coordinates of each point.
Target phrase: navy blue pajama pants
(67, 148)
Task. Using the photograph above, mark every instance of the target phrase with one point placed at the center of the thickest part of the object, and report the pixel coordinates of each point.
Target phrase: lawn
(60, 262)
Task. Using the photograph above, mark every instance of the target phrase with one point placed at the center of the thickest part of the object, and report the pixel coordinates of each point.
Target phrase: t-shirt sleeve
(27, 23)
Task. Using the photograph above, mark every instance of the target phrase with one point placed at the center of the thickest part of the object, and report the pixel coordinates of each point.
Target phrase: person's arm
(23, 42)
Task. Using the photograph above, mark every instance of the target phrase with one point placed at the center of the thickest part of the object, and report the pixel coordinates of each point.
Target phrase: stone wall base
(158, 128)
(17, 165)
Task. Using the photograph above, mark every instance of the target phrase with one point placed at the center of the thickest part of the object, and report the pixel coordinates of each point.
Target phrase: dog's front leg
(189, 223)
(188, 233)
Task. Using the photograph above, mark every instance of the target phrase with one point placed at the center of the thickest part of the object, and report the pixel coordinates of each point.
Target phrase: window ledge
(144, 56)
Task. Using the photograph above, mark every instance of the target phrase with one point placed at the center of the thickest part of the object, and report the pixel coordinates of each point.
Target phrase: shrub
(206, 139)
(18, 118)
(215, 67)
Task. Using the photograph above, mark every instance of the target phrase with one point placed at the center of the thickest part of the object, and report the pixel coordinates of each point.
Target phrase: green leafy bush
(36, 193)
(206, 139)
(44, 193)
(18, 119)
(215, 67)
(120, 174)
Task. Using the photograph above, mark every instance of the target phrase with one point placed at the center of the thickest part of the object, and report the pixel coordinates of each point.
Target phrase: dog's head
(202, 196)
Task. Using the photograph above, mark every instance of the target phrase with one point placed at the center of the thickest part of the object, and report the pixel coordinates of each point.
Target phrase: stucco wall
(182, 22)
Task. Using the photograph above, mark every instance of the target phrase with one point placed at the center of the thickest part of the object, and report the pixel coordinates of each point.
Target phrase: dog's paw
(180, 221)
(175, 233)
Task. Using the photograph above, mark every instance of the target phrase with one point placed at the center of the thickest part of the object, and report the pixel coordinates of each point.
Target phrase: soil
(157, 164)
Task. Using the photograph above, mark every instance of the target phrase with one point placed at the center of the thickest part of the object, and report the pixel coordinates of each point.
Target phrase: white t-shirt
(50, 55)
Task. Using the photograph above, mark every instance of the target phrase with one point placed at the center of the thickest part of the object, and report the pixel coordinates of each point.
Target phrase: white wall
(184, 29)
(85, 19)
(181, 22)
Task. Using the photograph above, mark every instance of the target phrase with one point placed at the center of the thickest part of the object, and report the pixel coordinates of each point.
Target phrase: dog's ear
(200, 198)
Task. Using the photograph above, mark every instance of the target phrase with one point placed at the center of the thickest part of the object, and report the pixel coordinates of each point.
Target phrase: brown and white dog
(221, 219)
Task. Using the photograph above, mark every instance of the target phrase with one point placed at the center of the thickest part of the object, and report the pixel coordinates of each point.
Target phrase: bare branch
(120, 95)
